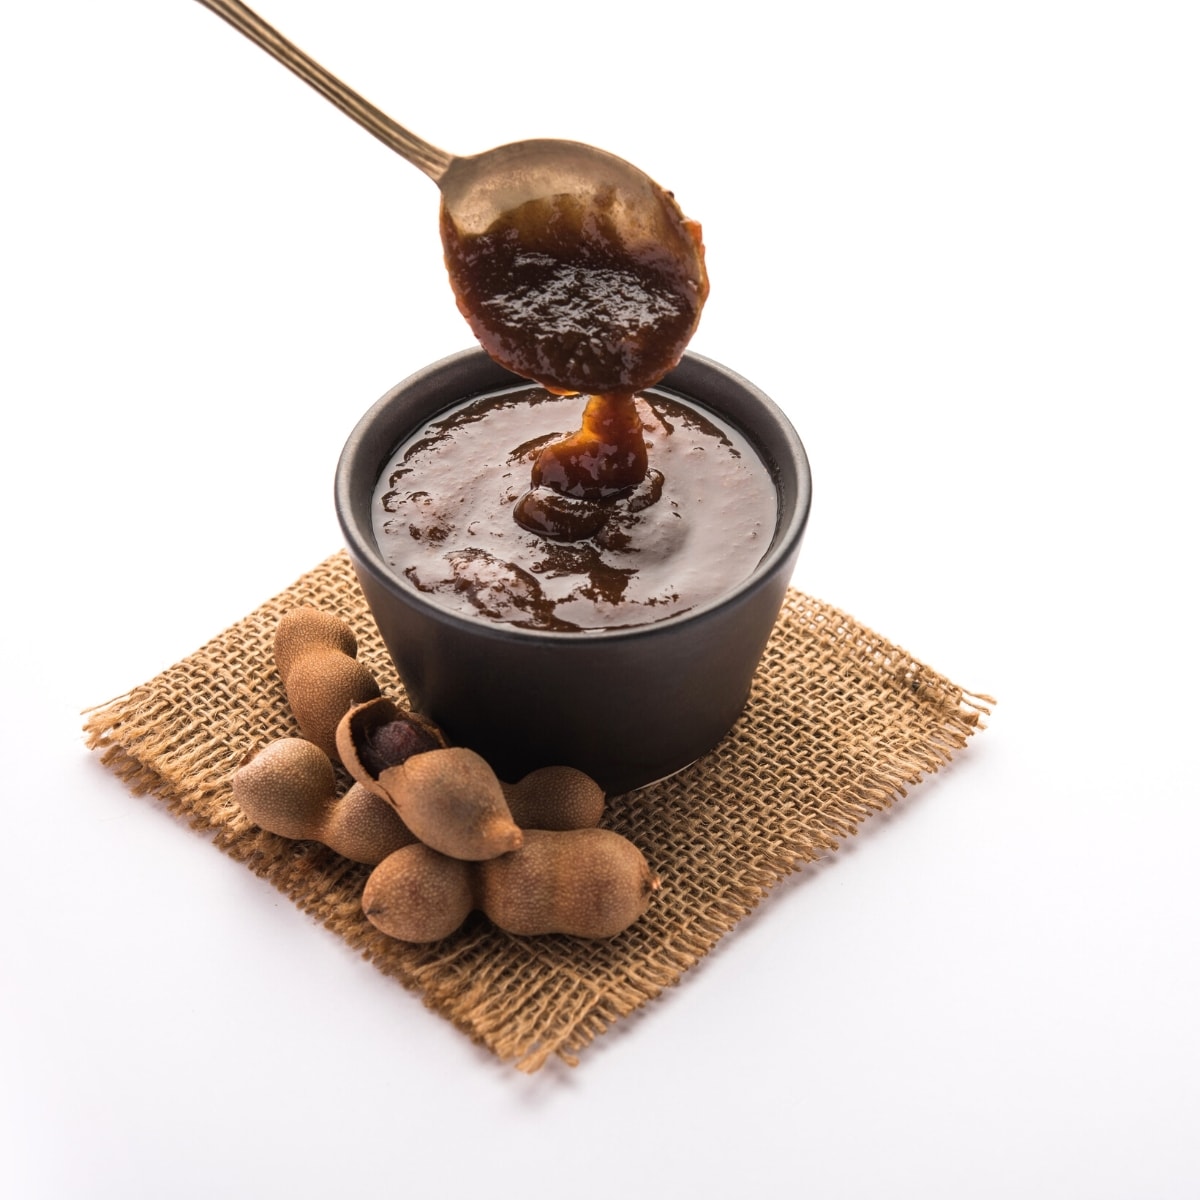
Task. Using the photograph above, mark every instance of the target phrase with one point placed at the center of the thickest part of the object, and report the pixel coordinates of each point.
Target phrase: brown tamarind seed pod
(452, 800)
(315, 656)
(555, 798)
(288, 787)
(589, 883)
(419, 895)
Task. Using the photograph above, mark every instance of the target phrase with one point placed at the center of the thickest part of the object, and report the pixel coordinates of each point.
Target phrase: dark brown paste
(553, 292)
(695, 526)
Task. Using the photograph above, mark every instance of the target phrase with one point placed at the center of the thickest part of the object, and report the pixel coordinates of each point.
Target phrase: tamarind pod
(588, 882)
(556, 798)
(418, 895)
(452, 800)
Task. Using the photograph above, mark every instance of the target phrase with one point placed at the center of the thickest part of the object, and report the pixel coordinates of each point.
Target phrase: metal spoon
(479, 190)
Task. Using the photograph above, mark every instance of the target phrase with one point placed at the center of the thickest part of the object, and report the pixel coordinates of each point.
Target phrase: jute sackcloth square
(839, 723)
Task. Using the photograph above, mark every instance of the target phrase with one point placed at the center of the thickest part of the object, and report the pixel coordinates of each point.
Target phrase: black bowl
(628, 706)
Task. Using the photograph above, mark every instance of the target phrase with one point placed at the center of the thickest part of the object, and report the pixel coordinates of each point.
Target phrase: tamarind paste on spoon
(557, 292)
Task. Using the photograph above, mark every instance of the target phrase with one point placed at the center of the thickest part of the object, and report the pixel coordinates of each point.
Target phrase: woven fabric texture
(839, 724)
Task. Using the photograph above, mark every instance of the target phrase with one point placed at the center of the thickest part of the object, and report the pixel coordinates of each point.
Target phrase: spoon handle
(416, 150)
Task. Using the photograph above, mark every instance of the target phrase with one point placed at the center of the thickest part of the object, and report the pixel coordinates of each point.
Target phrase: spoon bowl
(540, 181)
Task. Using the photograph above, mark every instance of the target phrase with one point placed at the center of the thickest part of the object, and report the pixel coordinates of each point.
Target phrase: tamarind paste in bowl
(455, 514)
(541, 616)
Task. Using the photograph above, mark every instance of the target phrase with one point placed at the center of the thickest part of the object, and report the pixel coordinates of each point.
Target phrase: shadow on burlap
(839, 723)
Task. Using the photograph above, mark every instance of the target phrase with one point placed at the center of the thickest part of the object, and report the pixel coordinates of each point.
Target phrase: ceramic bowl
(628, 706)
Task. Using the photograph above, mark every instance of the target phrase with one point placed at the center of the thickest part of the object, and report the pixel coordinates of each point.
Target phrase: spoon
(573, 267)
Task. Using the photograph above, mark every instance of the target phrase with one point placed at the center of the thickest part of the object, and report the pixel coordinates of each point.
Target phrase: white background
(958, 243)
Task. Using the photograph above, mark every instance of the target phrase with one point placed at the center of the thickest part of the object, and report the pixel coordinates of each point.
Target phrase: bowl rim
(365, 552)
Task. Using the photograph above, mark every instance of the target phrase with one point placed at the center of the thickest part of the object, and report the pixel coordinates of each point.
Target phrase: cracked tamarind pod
(315, 654)
(378, 734)
(448, 796)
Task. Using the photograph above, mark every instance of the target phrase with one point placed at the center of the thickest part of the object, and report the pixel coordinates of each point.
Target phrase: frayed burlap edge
(839, 724)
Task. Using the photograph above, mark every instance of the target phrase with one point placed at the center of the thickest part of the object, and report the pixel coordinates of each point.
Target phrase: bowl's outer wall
(627, 707)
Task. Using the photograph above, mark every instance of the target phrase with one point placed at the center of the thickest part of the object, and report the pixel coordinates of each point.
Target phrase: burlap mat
(839, 723)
